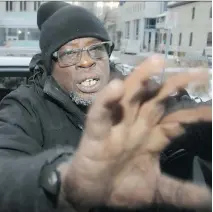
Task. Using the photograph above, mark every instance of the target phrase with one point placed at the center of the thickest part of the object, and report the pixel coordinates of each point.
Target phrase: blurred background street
(181, 31)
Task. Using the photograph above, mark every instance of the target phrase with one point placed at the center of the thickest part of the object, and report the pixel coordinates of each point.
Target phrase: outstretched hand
(117, 162)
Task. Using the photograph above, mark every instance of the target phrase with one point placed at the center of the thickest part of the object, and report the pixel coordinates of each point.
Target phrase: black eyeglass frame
(108, 45)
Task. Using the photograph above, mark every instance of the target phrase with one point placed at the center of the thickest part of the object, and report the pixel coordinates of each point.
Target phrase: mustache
(88, 76)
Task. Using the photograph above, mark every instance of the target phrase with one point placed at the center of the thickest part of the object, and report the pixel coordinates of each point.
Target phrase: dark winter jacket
(38, 123)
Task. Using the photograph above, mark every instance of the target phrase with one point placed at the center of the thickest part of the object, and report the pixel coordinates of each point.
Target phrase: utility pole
(170, 24)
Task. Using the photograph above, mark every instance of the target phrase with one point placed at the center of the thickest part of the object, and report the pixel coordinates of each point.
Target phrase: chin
(84, 99)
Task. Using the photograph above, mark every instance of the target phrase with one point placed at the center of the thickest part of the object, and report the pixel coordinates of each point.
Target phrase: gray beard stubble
(80, 101)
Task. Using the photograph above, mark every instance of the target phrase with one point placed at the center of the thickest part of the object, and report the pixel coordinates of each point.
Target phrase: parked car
(13, 72)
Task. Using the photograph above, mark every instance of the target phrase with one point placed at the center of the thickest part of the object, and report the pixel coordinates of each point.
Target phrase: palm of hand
(117, 163)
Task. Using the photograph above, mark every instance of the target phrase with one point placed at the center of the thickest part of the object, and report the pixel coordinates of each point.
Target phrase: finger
(135, 85)
(99, 118)
(182, 194)
(148, 116)
(162, 136)
(175, 83)
(147, 91)
(170, 126)
(201, 113)
(142, 73)
(150, 113)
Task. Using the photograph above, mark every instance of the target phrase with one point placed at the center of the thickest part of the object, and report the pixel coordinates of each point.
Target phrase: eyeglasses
(71, 57)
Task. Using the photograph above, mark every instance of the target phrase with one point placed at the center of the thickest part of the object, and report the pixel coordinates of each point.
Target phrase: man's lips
(89, 86)
(95, 77)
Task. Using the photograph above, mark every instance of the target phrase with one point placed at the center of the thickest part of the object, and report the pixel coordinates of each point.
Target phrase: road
(128, 59)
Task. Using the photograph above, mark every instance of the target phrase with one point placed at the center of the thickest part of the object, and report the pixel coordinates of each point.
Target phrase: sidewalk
(171, 61)
(129, 59)
(136, 59)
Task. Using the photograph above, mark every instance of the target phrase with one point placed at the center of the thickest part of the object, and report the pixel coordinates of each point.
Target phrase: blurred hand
(117, 162)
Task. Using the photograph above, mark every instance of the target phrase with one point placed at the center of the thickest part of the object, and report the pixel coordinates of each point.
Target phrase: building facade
(192, 33)
(186, 28)
(175, 27)
(18, 22)
(136, 23)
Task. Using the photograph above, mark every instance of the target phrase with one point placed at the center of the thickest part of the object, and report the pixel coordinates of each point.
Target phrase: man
(42, 124)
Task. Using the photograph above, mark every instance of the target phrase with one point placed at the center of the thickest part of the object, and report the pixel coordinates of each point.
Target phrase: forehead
(80, 43)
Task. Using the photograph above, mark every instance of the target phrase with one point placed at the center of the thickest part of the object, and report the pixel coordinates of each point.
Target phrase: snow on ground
(147, 54)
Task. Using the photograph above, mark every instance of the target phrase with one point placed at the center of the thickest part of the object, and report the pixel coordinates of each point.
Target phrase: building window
(9, 6)
(150, 37)
(193, 12)
(171, 39)
(165, 6)
(210, 15)
(127, 29)
(37, 4)
(12, 32)
(180, 39)
(160, 39)
(164, 38)
(21, 34)
(33, 34)
(150, 23)
(190, 39)
(209, 39)
(23, 5)
(136, 29)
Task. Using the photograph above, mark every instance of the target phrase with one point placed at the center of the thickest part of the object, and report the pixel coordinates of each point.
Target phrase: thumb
(100, 117)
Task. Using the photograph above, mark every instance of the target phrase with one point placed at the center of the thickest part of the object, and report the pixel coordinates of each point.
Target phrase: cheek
(63, 77)
(105, 68)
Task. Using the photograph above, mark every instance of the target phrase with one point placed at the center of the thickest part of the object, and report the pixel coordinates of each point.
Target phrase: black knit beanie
(44, 12)
(47, 9)
(69, 23)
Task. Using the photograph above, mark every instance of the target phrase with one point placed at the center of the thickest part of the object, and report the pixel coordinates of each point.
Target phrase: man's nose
(86, 61)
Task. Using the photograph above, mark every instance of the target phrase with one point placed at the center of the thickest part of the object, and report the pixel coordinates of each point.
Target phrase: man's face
(80, 73)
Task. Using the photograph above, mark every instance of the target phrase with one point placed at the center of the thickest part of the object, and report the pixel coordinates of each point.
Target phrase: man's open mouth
(89, 85)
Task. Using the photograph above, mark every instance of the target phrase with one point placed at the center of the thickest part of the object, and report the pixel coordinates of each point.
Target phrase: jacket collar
(53, 90)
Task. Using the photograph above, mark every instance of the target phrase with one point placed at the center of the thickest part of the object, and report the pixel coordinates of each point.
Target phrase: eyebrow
(72, 44)
(93, 40)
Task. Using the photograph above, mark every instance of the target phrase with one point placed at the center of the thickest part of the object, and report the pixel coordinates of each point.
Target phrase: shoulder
(23, 94)
(22, 102)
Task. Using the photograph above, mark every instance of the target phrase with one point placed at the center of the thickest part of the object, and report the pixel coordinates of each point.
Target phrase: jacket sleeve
(22, 158)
